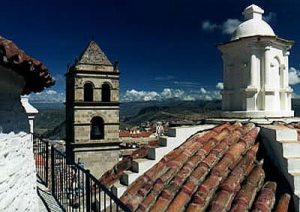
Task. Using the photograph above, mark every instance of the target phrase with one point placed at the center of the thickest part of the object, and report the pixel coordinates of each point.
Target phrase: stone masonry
(93, 68)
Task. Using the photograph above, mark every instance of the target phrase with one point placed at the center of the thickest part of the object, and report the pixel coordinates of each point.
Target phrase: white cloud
(51, 92)
(59, 78)
(164, 78)
(169, 93)
(220, 85)
(294, 76)
(47, 96)
(209, 26)
(227, 27)
(269, 17)
(187, 84)
(230, 25)
(134, 95)
(203, 90)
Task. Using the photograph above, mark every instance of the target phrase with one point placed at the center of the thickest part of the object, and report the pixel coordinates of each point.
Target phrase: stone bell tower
(256, 70)
(92, 111)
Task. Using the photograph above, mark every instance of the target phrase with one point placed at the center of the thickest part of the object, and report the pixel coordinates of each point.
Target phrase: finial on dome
(253, 12)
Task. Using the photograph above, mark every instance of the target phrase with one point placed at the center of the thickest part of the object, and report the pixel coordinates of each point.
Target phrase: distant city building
(256, 70)
(92, 111)
(159, 129)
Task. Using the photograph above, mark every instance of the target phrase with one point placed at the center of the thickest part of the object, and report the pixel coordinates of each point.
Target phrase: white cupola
(253, 24)
(256, 70)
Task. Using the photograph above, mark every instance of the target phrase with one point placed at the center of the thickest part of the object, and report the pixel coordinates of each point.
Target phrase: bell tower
(92, 111)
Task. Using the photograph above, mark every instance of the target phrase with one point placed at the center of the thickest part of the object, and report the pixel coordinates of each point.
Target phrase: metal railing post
(87, 191)
(52, 171)
(47, 163)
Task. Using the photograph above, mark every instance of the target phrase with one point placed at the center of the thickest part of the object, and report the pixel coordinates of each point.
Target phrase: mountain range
(50, 121)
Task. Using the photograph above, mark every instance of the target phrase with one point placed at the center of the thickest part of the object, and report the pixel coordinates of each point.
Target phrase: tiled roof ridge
(245, 197)
(178, 153)
(34, 72)
(283, 203)
(266, 198)
(113, 175)
(220, 171)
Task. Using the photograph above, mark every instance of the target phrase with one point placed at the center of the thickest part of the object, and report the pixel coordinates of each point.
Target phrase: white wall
(17, 166)
(17, 175)
(256, 79)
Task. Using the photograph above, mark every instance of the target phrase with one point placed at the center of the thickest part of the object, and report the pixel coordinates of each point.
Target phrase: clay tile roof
(34, 72)
(135, 135)
(124, 133)
(217, 171)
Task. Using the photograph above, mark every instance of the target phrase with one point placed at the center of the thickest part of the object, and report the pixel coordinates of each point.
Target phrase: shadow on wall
(13, 118)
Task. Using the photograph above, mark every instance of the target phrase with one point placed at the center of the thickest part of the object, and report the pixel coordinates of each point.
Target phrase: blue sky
(165, 48)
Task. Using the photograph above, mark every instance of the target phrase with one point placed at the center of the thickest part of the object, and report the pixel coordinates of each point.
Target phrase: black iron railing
(74, 187)
(41, 150)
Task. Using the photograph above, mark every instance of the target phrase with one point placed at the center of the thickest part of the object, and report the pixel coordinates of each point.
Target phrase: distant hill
(50, 120)
(168, 111)
(50, 116)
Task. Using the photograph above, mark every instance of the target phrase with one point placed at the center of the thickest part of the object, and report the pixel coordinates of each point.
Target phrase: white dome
(254, 24)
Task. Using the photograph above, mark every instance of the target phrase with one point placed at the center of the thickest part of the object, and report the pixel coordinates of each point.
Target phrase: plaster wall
(282, 146)
(256, 79)
(17, 175)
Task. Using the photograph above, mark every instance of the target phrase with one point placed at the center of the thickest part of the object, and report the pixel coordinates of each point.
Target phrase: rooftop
(33, 71)
(213, 171)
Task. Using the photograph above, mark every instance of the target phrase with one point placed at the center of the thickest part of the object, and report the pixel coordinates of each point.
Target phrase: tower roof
(93, 55)
(253, 24)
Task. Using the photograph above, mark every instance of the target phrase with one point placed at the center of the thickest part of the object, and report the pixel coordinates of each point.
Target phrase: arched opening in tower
(88, 92)
(97, 128)
(106, 92)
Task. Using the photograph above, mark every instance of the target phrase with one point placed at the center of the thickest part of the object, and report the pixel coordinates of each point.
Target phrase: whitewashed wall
(17, 175)
(17, 166)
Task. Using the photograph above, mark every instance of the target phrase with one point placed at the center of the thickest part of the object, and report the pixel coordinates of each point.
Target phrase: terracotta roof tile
(216, 171)
(266, 199)
(34, 72)
(283, 203)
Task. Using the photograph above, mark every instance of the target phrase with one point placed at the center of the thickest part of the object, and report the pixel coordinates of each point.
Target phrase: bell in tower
(92, 110)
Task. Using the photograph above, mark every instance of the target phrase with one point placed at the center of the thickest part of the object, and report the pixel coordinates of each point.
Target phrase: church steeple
(93, 55)
(92, 111)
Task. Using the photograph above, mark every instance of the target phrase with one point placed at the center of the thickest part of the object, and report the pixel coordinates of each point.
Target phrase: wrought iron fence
(41, 150)
(74, 187)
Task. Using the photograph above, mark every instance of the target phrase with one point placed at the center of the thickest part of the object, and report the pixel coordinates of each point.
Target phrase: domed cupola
(253, 24)
(256, 82)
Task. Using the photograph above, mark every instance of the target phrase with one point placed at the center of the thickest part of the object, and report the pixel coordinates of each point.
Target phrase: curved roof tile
(217, 171)
(34, 72)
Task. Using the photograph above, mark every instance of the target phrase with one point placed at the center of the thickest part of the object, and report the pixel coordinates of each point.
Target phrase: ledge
(257, 114)
(96, 103)
(251, 89)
